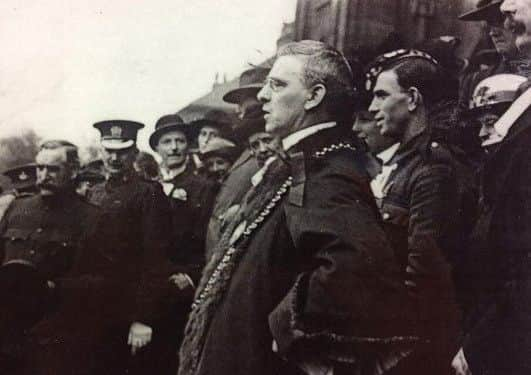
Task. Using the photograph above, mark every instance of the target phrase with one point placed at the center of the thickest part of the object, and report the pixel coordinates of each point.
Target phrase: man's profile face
(205, 135)
(518, 21)
(119, 161)
(366, 129)
(53, 172)
(390, 105)
(173, 149)
(263, 146)
(284, 95)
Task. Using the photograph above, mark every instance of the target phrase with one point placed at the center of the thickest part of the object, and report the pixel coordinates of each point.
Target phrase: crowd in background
(353, 220)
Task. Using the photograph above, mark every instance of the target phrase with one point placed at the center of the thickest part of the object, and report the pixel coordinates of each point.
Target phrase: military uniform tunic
(42, 236)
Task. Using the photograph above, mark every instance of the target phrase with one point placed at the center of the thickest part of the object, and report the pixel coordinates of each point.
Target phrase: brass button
(386, 215)
(39, 230)
(32, 252)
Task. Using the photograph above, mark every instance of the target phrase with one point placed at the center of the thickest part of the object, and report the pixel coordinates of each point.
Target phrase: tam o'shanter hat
(118, 134)
(251, 81)
(23, 177)
(485, 9)
(166, 124)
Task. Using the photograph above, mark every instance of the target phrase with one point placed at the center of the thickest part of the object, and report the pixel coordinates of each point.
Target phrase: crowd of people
(361, 224)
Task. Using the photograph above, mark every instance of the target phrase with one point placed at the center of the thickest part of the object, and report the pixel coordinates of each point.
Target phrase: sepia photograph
(282, 187)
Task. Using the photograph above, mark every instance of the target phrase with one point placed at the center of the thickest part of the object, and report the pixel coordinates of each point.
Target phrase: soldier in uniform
(42, 236)
(126, 276)
(295, 283)
(420, 198)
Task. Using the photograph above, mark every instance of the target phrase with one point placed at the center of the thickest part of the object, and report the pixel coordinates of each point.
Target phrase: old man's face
(284, 95)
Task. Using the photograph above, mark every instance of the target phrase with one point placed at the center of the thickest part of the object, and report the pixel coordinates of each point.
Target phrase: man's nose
(483, 132)
(373, 108)
(263, 94)
(356, 126)
(262, 147)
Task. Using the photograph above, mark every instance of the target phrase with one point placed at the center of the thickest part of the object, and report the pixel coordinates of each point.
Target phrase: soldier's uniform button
(32, 252)
(39, 230)
(386, 215)
(434, 144)
(64, 244)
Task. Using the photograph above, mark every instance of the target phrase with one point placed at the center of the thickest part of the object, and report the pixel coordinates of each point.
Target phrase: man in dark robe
(302, 279)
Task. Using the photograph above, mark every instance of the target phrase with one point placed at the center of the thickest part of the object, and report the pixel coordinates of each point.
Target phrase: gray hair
(327, 66)
(70, 150)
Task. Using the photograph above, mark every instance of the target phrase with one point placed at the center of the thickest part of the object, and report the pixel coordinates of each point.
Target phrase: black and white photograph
(282, 187)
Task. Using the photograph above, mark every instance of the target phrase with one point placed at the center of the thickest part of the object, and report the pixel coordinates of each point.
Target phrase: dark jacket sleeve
(432, 217)
(350, 297)
(155, 267)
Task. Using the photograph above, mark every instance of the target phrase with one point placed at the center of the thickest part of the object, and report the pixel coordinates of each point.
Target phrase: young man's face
(518, 21)
(205, 135)
(173, 149)
(53, 172)
(263, 146)
(119, 161)
(283, 96)
(390, 105)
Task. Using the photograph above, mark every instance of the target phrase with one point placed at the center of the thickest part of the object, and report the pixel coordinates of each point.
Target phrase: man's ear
(415, 99)
(315, 96)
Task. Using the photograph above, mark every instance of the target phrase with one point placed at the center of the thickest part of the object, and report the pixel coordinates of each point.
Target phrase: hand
(460, 364)
(139, 336)
(181, 280)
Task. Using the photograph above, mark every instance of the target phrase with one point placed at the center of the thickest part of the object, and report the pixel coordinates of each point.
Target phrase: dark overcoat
(190, 200)
(498, 274)
(306, 263)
